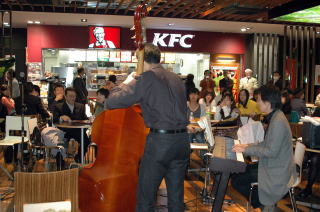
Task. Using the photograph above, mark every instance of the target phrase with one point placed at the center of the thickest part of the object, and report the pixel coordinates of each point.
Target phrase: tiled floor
(193, 185)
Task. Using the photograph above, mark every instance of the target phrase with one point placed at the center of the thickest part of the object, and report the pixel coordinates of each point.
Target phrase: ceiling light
(243, 29)
(225, 59)
(170, 24)
(318, 32)
(30, 22)
(5, 23)
(248, 28)
(37, 22)
(83, 20)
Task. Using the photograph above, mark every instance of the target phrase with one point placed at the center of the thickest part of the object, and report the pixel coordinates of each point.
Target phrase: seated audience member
(58, 97)
(298, 104)
(6, 101)
(226, 108)
(33, 103)
(207, 84)
(317, 101)
(276, 169)
(102, 94)
(68, 111)
(195, 111)
(208, 101)
(246, 106)
(285, 103)
(314, 167)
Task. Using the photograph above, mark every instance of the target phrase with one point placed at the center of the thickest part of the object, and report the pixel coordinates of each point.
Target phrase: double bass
(110, 183)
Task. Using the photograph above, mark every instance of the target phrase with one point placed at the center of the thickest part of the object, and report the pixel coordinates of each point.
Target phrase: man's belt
(167, 131)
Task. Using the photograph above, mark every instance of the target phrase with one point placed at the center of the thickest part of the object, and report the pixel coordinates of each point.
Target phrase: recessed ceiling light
(83, 20)
(243, 29)
(170, 24)
(37, 22)
(248, 28)
(30, 22)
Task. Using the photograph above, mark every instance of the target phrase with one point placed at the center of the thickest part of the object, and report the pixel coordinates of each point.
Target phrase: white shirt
(248, 83)
(317, 102)
(71, 107)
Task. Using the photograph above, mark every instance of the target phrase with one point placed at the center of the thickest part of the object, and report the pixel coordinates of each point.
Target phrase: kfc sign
(162, 40)
(104, 37)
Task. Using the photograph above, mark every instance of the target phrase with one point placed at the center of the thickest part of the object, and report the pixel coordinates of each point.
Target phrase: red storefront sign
(42, 36)
(104, 37)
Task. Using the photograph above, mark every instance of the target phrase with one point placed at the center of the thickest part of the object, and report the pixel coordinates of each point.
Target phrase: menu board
(114, 56)
(103, 55)
(91, 55)
(169, 57)
(126, 56)
(77, 55)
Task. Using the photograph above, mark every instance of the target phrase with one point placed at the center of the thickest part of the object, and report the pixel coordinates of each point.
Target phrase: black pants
(165, 156)
(313, 171)
(242, 183)
(76, 135)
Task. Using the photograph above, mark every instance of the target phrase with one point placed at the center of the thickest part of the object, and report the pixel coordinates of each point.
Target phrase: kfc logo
(104, 37)
(183, 40)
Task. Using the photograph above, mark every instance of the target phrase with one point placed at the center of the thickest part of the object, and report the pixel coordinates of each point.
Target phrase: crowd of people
(168, 107)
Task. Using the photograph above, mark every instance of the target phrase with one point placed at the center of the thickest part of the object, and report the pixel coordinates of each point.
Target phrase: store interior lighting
(225, 60)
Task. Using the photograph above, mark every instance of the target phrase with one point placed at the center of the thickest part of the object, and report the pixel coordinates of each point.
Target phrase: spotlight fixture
(84, 20)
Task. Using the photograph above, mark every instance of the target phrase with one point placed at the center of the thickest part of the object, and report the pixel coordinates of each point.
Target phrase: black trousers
(76, 135)
(242, 183)
(165, 156)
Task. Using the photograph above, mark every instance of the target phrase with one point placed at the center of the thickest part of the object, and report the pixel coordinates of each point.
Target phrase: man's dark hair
(194, 90)
(152, 54)
(190, 78)
(104, 92)
(11, 73)
(69, 89)
(36, 88)
(244, 104)
(28, 87)
(113, 78)
(270, 93)
(58, 85)
(80, 70)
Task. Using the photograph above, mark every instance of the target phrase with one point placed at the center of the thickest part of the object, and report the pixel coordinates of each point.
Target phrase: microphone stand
(23, 109)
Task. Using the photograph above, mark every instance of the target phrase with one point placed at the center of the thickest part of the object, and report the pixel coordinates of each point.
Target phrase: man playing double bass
(162, 97)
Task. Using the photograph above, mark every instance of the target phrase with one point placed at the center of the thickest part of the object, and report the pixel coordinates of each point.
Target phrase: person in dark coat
(33, 103)
(79, 84)
(68, 111)
(161, 94)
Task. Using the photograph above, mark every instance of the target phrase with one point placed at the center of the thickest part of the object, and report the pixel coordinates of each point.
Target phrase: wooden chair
(46, 187)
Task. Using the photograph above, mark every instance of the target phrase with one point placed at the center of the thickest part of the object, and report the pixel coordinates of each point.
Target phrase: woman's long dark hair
(233, 105)
(244, 104)
(206, 93)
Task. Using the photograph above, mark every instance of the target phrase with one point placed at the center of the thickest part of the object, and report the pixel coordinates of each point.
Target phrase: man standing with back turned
(161, 95)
